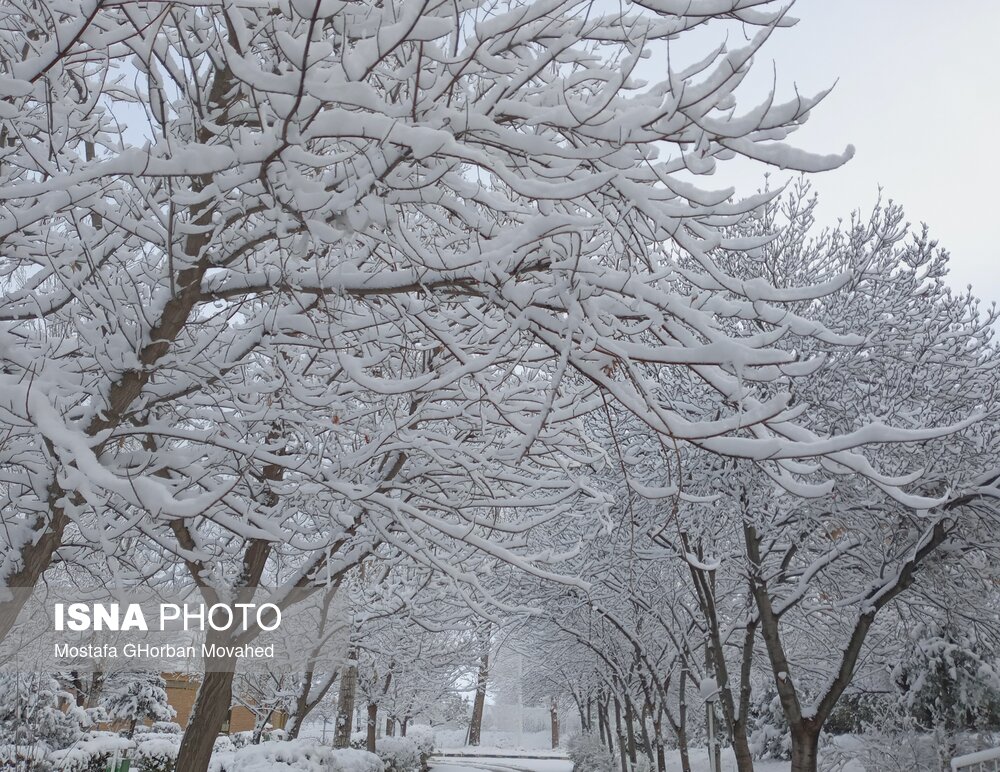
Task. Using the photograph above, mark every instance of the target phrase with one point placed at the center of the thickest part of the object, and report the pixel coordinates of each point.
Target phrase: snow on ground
(501, 760)
(508, 764)
(699, 762)
(496, 739)
(487, 750)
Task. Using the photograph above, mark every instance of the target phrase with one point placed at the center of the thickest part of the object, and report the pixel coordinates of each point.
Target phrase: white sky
(918, 95)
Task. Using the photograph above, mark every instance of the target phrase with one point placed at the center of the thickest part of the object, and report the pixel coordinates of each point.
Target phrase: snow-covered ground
(508, 764)
(493, 759)
(454, 739)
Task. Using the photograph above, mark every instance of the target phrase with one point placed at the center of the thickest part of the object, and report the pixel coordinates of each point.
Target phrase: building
(181, 692)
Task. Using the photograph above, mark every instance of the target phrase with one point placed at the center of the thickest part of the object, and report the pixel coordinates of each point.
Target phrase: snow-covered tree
(132, 696)
(949, 678)
(288, 287)
(34, 709)
(263, 694)
(768, 559)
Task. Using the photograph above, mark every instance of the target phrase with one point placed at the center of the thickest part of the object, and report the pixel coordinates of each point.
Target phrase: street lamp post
(710, 707)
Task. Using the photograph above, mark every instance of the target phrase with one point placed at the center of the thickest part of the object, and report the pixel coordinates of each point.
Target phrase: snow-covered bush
(891, 752)
(166, 727)
(425, 740)
(588, 754)
(295, 756)
(856, 713)
(24, 758)
(400, 754)
(949, 679)
(895, 741)
(93, 717)
(354, 760)
(769, 735)
(241, 739)
(359, 740)
(158, 754)
(30, 713)
(91, 753)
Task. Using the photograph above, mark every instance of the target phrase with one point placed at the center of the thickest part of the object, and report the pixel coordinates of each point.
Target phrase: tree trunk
(600, 725)
(294, 723)
(96, 686)
(622, 754)
(630, 730)
(741, 749)
(259, 726)
(476, 727)
(680, 730)
(554, 717)
(738, 723)
(390, 726)
(80, 698)
(661, 759)
(682, 749)
(372, 725)
(648, 746)
(605, 708)
(306, 700)
(805, 748)
(211, 707)
(345, 703)
(402, 726)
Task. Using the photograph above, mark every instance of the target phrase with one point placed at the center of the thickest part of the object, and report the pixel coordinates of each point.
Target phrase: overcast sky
(918, 95)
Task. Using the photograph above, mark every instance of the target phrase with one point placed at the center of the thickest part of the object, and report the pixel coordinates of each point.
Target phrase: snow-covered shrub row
(588, 754)
(150, 752)
(162, 727)
(354, 760)
(157, 752)
(295, 756)
(400, 754)
(243, 739)
(425, 741)
(91, 753)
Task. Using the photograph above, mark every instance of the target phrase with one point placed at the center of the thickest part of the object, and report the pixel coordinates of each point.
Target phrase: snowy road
(513, 764)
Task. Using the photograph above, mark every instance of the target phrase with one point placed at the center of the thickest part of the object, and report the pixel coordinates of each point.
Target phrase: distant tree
(264, 693)
(829, 553)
